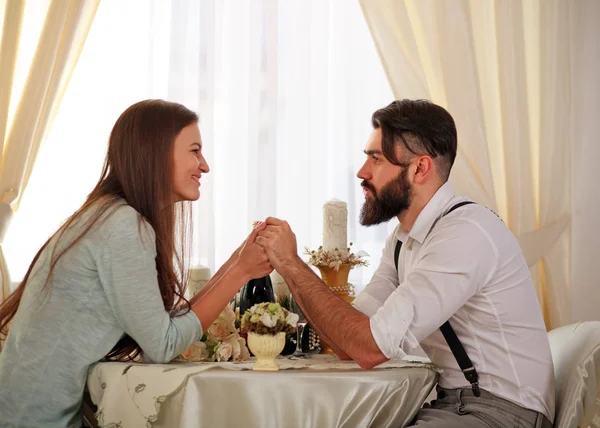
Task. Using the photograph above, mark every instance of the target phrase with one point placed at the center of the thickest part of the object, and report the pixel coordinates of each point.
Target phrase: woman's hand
(252, 258)
(279, 242)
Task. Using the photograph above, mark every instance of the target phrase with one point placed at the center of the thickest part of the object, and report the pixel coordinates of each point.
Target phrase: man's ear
(424, 167)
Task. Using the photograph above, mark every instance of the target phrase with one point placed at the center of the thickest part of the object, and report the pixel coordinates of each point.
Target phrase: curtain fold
(65, 27)
(502, 70)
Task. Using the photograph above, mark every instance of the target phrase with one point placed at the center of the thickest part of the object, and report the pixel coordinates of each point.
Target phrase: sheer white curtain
(284, 90)
(504, 69)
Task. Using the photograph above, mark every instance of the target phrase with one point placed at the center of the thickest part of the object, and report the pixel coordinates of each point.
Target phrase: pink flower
(218, 331)
(223, 342)
(227, 316)
(233, 347)
(224, 351)
(196, 352)
(223, 326)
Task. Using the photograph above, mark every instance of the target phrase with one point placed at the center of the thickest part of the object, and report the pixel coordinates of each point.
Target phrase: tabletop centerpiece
(267, 325)
(335, 258)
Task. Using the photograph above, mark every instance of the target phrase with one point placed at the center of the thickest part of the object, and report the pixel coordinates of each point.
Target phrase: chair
(576, 354)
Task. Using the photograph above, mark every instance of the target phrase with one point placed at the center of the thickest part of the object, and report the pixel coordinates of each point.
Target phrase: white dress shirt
(465, 267)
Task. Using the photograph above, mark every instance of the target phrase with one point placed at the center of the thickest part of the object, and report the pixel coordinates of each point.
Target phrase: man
(448, 260)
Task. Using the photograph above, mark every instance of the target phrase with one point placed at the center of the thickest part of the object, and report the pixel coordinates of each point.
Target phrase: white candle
(335, 224)
(199, 276)
(280, 288)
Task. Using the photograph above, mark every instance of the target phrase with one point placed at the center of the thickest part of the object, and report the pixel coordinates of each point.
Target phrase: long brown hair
(138, 169)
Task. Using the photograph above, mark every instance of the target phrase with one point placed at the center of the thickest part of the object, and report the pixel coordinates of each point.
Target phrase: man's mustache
(367, 186)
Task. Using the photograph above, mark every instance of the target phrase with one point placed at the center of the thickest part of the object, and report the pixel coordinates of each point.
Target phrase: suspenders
(456, 347)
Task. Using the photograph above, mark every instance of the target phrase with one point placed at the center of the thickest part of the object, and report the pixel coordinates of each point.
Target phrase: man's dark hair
(422, 127)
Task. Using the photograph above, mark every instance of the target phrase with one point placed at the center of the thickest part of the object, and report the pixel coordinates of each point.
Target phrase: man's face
(387, 189)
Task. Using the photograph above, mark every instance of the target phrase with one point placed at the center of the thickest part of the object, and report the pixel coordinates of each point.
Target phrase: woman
(110, 283)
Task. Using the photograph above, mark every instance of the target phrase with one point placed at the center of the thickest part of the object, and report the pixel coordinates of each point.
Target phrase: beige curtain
(502, 68)
(23, 125)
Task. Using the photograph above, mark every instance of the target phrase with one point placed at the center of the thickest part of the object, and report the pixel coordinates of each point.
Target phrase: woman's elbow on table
(155, 356)
(162, 352)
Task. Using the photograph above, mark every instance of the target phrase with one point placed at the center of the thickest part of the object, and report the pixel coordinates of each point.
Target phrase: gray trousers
(459, 408)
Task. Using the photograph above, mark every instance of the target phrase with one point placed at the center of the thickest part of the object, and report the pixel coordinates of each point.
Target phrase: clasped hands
(270, 245)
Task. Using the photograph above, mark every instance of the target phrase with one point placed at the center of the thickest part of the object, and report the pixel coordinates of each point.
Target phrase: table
(319, 392)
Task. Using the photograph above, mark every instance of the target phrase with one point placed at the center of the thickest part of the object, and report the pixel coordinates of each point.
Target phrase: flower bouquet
(269, 318)
(335, 258)
(221, 342)
(267, 325)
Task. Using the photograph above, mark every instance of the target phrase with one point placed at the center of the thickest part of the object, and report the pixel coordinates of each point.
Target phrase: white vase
(266, 348)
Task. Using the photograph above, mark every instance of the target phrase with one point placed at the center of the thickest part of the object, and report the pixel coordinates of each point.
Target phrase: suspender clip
(473, 378)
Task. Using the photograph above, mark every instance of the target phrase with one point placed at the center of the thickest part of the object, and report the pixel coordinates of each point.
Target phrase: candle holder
(337, 281)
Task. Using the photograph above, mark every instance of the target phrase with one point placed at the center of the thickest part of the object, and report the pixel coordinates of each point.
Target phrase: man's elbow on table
(370, 358)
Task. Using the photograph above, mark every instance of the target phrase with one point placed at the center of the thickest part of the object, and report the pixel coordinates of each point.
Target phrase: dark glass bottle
(257, 290)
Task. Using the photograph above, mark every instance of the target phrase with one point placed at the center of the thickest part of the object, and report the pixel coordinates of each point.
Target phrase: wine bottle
(257, 290)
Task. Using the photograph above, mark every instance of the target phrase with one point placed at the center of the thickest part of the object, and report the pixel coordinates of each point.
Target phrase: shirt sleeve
(383, 283)
(127, 270)
(454, 262)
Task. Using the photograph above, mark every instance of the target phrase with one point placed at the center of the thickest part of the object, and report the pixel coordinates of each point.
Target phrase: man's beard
(395, 197)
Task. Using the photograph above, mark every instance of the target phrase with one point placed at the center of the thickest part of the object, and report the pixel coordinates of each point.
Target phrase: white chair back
(576, 355)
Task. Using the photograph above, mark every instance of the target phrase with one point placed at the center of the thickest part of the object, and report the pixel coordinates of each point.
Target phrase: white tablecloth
(320, 392)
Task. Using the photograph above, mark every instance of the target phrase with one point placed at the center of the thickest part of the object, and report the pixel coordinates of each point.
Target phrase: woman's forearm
(215, 278)
(217, 293)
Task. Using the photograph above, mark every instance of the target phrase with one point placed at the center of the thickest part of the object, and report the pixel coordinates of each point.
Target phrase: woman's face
(188, 164)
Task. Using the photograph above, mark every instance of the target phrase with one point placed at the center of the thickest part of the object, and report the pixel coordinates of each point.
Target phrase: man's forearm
(298, 297)
(343, 327)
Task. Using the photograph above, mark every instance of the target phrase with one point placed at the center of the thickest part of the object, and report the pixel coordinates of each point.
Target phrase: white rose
(224, 351)
(268, 321)
(292, 319)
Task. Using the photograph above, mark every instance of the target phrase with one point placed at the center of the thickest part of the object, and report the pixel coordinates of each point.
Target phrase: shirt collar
(430, 213)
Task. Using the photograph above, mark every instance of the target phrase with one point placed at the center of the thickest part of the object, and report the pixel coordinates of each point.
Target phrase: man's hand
(279, 242)
(251, 257)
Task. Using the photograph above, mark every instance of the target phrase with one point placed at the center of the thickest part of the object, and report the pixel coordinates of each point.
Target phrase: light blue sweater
(103, 287)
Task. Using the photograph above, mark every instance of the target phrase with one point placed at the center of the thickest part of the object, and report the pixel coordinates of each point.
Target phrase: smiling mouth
(196, 179)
